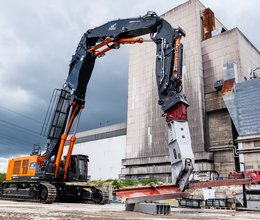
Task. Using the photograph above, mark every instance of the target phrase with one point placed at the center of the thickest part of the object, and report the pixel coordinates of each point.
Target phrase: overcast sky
(37, 40)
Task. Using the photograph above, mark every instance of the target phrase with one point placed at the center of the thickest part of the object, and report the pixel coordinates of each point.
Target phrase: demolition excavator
(46, 177)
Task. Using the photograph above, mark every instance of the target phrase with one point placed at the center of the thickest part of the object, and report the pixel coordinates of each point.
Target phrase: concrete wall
(224, 162)
(219, 129)
(252, 161)
(216, 52)
(146, 134)
(105, 147)
(230, 46)
(249, 56)
(220, 141)
(105, 156)
(249, 152)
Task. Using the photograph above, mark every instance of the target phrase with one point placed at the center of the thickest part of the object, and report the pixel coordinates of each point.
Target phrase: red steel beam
(176, 195)
(146, 191)
(163, 190)
(216, 183)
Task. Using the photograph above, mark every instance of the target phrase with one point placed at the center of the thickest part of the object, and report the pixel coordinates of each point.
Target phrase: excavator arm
(95, 43)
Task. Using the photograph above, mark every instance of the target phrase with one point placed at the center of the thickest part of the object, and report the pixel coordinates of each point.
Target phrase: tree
(2, 176)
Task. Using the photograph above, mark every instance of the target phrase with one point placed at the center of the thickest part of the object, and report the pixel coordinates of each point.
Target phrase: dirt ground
(55, 211)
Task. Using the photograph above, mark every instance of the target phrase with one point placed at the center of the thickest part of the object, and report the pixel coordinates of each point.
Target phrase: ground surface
(26, 210)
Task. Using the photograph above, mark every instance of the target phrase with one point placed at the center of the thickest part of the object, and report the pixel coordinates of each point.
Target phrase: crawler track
(28, 191)
(48, 192)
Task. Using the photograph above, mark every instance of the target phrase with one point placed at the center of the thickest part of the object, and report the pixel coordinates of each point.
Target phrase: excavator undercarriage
(48, 192)
(41, 188)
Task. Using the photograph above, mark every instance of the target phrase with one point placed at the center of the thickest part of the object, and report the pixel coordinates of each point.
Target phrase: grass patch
(124, 183)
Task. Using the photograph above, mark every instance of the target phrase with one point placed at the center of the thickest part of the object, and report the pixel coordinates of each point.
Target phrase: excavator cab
(36, 150)
(78, 168)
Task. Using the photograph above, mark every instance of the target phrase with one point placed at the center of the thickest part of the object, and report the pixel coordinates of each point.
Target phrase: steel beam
(148, 193)
(176, 195)
(145, 191)
(150, 208)
(216, 183)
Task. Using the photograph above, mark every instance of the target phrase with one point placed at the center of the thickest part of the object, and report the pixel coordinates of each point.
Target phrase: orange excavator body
(23, 166)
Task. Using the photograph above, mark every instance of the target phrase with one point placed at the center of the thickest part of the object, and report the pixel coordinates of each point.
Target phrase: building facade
(208, 48)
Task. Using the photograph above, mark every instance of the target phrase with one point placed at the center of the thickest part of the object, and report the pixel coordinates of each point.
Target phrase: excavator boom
(95, 43)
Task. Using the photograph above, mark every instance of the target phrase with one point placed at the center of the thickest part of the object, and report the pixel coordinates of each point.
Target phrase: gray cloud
(37, 40)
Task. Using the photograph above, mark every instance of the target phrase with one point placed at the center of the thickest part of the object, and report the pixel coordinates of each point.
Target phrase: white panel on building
(105, 150)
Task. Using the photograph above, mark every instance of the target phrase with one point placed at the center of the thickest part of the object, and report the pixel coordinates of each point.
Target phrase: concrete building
(208, 47)
(227, 53)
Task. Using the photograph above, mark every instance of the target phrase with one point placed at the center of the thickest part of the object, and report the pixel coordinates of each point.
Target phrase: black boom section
(58, 122)
(125, 28)
(80, 72)
(162, 33)
(168, 81)
(83, 61)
